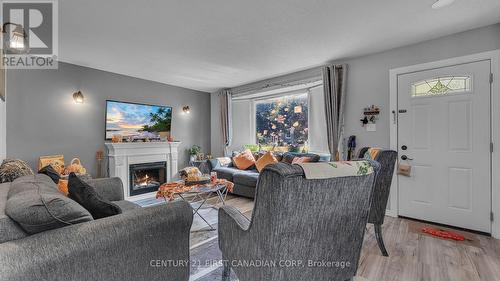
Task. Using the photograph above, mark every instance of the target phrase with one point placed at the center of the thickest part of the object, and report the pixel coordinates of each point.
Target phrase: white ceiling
(211, 44)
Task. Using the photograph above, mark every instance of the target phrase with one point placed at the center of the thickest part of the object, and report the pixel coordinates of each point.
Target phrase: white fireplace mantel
(121, 155)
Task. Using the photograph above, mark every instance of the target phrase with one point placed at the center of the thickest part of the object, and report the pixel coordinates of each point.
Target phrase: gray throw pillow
(36, 204)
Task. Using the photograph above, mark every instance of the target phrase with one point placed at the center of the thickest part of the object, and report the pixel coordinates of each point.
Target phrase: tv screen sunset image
(137, 121)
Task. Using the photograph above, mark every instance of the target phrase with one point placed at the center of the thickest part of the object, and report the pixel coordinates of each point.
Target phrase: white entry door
(444, 134)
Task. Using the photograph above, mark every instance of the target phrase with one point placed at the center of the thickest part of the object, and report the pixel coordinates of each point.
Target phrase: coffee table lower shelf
(198, 197)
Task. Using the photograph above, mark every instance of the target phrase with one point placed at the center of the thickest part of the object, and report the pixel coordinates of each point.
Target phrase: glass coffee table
(198, 196)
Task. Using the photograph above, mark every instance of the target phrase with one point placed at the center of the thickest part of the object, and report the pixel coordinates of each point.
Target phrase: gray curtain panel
(226, 119)
(334, 81)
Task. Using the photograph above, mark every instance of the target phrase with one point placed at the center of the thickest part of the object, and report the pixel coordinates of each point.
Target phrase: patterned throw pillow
(224, 161)
(265, 160)
(189, 172)
(372, 153)
(244, 160)
(300, 160)
(12, 169)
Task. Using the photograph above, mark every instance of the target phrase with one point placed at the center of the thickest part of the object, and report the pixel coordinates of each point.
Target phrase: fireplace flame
(144, 181)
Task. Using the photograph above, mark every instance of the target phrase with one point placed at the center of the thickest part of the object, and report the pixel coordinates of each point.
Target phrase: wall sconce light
(18, 41)
(78, 97)
(186, 109)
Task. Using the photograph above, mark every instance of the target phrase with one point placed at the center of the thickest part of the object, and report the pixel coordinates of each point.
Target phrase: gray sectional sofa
(129, 246)
(245, 181)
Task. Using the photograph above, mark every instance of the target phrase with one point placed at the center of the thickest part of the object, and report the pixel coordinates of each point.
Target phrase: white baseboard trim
(391, 213)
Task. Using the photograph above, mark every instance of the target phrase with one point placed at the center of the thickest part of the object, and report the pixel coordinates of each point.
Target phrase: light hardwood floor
(414, 256)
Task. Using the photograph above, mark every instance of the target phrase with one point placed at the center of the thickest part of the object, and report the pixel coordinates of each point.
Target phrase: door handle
(404, 157)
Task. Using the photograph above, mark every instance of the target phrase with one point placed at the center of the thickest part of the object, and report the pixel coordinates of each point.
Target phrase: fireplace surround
(125, 156)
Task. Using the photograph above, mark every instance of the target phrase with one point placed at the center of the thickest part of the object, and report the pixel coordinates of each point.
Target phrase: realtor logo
(29, 34)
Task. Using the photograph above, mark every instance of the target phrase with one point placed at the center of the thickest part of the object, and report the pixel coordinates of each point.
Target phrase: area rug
(148, 202)
(206, 262)
(205, 256)
(210, 214)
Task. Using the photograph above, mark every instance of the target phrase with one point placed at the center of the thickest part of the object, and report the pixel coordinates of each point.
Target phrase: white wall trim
(391, 213)
(3, 131)
(494, 57)
(3, 115)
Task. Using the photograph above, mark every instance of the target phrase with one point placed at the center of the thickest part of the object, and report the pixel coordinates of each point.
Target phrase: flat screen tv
(137, 121)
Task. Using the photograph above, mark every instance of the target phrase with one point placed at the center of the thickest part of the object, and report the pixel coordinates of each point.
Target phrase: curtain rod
(302, 77)
(279, 91)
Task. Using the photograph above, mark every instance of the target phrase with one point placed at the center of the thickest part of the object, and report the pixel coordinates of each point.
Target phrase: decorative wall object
(370, 117)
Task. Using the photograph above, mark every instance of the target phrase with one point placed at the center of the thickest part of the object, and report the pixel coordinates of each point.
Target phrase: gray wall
(216, 146)
(368, 79)
(368, 76)
(42, 118)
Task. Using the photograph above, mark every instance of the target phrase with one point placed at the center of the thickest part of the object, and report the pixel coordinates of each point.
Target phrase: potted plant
(294, 148)
(193, 152)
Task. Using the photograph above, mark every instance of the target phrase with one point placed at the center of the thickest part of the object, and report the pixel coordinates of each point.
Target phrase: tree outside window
(283, 121)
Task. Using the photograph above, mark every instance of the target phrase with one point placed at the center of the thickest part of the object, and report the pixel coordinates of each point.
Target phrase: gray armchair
(309, 229)
(387, 160)
(134, 245)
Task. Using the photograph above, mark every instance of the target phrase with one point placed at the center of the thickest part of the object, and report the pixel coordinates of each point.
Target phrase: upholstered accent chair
(387, 160)
(301, 229)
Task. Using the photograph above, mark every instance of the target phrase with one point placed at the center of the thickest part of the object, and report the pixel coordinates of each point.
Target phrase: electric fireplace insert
(147, 177)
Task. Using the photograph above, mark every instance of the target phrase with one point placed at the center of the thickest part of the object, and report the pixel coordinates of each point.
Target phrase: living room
(283, 140)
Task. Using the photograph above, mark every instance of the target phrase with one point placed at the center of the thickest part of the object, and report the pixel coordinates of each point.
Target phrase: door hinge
(491, 78)
(491, 147)
(491, 216)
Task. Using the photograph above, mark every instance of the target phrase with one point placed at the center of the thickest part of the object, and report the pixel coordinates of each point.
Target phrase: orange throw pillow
(265, 160)
(63, 186)
(244, 160)
(300, 160)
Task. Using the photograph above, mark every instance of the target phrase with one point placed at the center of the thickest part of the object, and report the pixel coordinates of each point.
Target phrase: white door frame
(3, 114)
(494, 57)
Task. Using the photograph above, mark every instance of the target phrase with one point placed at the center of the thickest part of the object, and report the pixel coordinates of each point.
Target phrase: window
(441, 86)
(283, 121)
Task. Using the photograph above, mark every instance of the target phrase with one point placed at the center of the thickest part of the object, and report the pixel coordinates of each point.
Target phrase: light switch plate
(371, 127)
